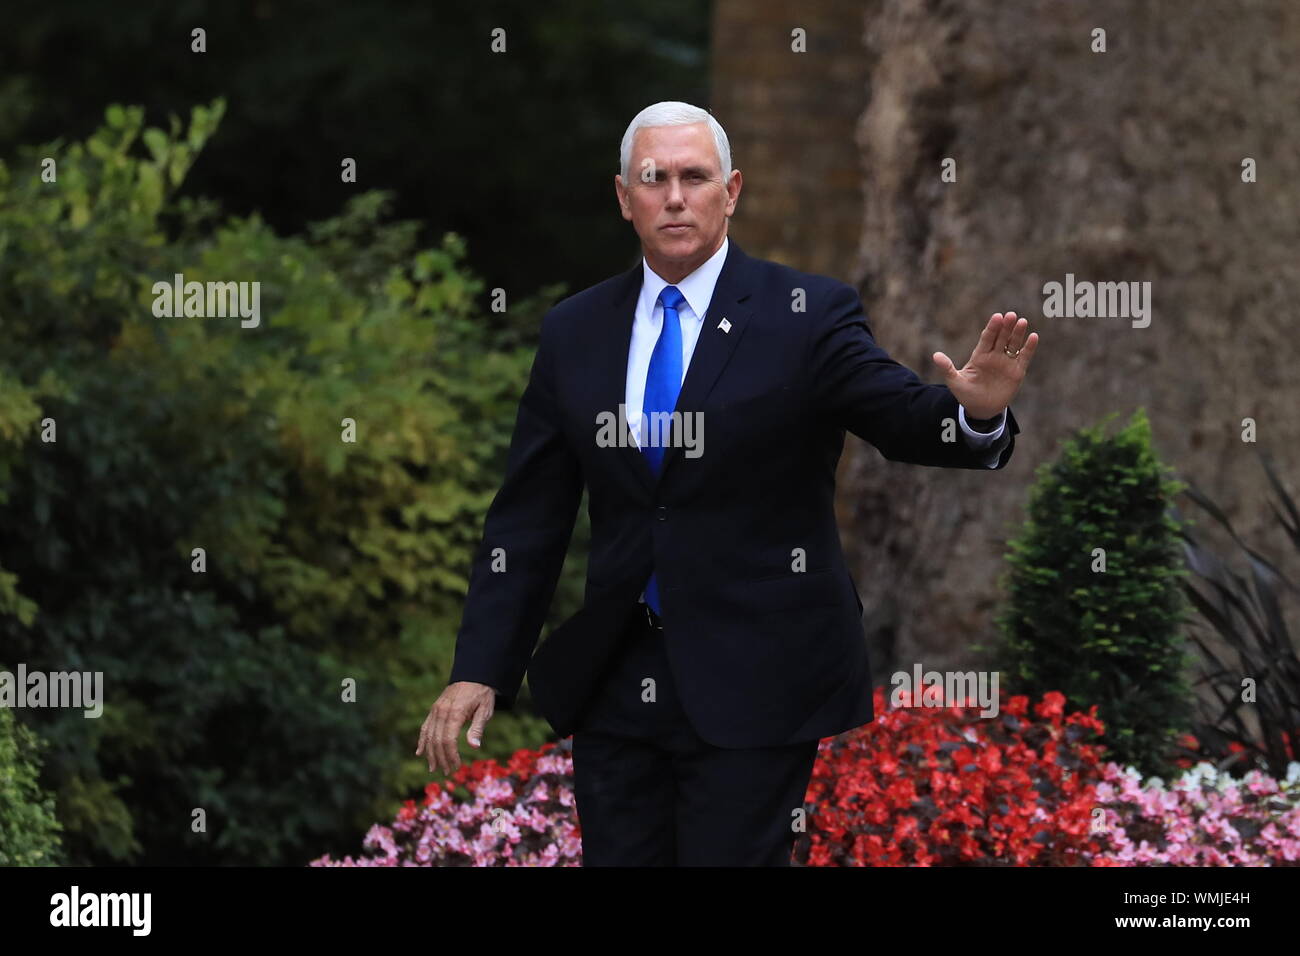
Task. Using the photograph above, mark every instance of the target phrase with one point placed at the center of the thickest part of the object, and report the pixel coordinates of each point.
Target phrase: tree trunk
(1118, 166)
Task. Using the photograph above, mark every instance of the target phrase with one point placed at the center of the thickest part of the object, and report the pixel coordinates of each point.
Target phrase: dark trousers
(651, 792)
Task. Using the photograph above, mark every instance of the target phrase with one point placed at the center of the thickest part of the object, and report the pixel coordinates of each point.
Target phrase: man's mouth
(675, 227)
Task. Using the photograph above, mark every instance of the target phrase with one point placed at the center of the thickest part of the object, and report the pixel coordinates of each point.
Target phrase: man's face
(676, 198)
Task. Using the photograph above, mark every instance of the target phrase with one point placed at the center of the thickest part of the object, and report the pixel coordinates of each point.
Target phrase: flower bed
(916, 787)
(930, 786)
(1206, 818)
(522, 814)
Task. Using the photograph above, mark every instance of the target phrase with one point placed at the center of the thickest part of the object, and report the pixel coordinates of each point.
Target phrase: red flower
(931, 786)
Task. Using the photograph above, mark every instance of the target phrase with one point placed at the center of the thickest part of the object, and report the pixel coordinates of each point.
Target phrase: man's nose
(675, 195)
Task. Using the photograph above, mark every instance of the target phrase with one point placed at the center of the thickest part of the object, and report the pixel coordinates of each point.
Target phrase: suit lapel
(712, 351)
(716, 344)
(611, 367)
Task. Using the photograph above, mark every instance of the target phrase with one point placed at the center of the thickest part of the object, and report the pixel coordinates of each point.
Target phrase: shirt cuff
(992, 442)
(993, 427)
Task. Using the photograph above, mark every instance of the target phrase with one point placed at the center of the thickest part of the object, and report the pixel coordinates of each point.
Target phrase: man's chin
(682, 247)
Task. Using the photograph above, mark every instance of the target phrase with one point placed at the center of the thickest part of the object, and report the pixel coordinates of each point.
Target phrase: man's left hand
(991, 377)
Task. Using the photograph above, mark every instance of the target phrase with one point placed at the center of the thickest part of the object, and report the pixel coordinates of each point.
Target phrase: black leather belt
(653, 620)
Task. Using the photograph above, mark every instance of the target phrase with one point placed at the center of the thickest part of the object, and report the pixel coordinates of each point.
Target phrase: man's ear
(621, 192)
(740, 181)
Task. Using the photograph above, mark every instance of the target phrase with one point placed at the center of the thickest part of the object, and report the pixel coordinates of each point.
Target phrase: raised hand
(993, 373)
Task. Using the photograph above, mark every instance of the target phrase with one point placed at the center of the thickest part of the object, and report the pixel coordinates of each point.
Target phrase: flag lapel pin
(724, 324)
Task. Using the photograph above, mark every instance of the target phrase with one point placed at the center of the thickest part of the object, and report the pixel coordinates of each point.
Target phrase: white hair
(675, 113)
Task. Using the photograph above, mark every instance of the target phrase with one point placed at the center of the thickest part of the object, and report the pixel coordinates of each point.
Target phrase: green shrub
(29, 831)
(325, 560)
(1108, 637)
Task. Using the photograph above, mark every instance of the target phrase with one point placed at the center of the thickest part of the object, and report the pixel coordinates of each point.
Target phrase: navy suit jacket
(762, 620)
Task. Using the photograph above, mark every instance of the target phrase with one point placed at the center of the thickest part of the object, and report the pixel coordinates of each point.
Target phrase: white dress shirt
(697, 289)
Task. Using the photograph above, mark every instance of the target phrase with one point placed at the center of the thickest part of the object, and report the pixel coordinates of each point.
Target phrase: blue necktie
(662, 383)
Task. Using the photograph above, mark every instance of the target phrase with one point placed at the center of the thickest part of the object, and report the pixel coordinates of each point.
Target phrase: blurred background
(274, 609)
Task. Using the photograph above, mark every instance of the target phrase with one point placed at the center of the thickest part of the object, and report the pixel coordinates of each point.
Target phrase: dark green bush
(325, 560)
(29, 831)
(1113, 637)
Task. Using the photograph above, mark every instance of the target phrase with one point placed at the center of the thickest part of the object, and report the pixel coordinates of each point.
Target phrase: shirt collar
(697, 288)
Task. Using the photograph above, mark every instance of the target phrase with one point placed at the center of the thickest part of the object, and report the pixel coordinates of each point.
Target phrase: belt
(653, 620)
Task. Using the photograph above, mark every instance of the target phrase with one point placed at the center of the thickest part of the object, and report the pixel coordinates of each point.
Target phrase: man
(721, 636)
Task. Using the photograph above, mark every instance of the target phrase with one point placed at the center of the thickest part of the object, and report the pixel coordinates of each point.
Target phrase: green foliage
(1259, 728)
(29, 831)
(127, 441)
(516, 152)
(1112, 637)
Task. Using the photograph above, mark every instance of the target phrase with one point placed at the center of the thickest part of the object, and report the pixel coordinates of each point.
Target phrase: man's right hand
(458, 703)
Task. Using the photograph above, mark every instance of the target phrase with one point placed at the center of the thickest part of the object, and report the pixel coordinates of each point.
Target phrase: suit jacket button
(662, 513)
